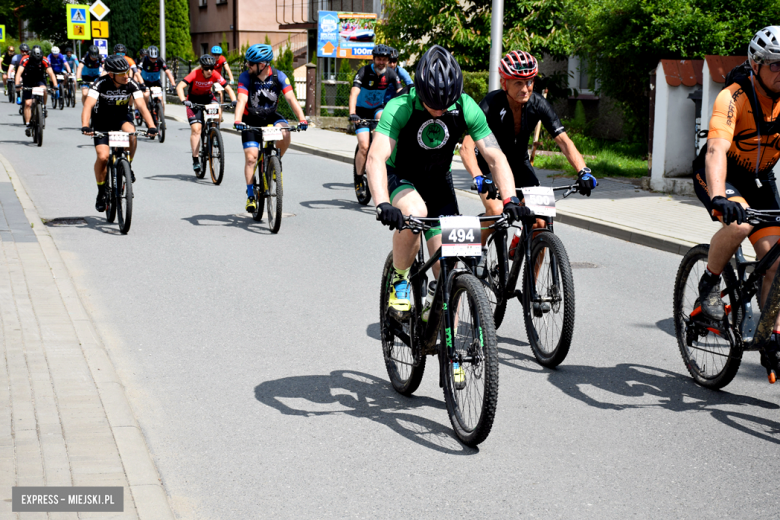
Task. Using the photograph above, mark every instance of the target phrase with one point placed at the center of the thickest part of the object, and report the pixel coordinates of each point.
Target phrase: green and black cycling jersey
(426, 144)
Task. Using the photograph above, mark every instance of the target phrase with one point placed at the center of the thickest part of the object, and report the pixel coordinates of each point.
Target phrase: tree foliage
(46, 18)
(464, 28)
(123, 23)
(625, 39)
(177, 27)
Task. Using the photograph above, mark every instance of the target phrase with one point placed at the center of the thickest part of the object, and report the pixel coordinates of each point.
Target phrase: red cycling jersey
(220, 63)
(200, 86)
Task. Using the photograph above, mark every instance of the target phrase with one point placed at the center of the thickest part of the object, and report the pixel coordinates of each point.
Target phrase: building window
(202, 3)
(580, 78)
(204, 48)
(221, 2)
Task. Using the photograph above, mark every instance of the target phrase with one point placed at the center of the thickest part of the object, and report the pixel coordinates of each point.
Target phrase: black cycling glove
(586, 181)
(730, 210)
(354, 118)
(86, 130)
(485, 185)
(516, 212)
(390, 216)
(151, 132)
(188, 103)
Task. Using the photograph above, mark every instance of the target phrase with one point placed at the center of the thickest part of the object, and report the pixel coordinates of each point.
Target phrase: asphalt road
(253, 364)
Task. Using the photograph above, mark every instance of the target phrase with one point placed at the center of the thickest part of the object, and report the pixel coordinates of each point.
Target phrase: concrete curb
(603, 227)
(136, 459)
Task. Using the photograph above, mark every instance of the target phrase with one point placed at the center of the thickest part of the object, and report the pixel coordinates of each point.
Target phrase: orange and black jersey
(733, 119)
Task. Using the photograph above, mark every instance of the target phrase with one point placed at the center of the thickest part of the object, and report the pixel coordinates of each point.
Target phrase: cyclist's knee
(739, 230)
(102, 157)
(251, 156)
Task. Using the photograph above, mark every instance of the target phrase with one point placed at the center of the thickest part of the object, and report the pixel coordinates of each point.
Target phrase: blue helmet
(216, 49)
(257, 53)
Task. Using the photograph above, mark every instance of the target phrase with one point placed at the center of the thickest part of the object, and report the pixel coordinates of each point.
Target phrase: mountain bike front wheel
(398, 348)
(216, 156)
(362, 191)
(496, 277)
(259, 188)
(41, 119)
(124, 195)
(711, 354)
(111, 180)
(549, 319)
(471, 378)
(273, 175)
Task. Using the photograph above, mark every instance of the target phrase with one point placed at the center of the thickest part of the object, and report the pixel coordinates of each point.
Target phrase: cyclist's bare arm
(293, 102)
(240, 106)
(230, 92)
(469, 157)
(376, 169)
(52, 76)
(715, 166)
(568, 149)
(86, 112)
(180, 91)
(499, 166)
(353, 95)
(170, 76)
(78, 71)
(18, 77)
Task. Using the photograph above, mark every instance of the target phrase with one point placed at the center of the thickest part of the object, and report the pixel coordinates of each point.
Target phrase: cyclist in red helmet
(512, 113)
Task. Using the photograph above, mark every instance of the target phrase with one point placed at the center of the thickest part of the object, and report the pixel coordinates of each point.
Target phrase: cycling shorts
(106, 127)
(524, 174)
(367, 113)
(88, 79)
(195, 115)
(743, 189)
(252, 138)
(27, 94)
(436, 191)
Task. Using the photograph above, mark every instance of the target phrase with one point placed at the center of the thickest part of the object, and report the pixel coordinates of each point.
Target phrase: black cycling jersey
(112, 102)
(502, 123)
(373, 86)
(7, 58)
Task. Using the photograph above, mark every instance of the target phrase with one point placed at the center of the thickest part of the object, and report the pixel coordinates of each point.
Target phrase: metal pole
(162, 40)
(497, 43)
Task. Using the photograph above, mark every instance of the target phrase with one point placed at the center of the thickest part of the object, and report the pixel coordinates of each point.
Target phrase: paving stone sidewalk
(64, 417)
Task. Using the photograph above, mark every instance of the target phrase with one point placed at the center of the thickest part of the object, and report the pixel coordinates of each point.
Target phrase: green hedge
(475, 84)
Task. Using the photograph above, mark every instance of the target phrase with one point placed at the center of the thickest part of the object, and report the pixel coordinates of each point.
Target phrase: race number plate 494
(272, 133)
(212, 111)
(540, 200)
(460, 236)
(118, 139)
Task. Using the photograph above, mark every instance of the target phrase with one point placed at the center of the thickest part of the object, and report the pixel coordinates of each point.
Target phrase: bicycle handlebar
(142, 133)
(756, 216)
(571, 189)
(295, 128)
(421, 224)
(222, 105)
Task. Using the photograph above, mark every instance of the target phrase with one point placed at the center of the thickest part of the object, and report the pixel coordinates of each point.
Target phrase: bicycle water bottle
(429, 301)
(513, 245)
(18, 100)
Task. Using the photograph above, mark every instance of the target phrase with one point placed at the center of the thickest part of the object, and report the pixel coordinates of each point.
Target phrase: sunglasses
(207, 68)
(775, 67)
(120, 74)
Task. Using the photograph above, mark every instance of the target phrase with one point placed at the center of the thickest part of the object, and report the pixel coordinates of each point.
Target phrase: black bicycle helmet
(438, 80)
(24, 48)
(381, 51)
(120, 48)
(36, 53)
(393, 55)
(154, 52)
(93, 51)
(68, 49)
(116, 64)
(207, 61)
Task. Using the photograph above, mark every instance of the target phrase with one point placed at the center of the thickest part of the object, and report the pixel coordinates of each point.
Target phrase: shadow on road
(346, 392)
(337, 204)
(631, 387)
(181, 177)
(239, 221)
(341, 186)
(96, 223)
(373, 331)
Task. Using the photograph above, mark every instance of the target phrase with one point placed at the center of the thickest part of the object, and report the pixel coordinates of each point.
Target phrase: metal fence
(335, 94)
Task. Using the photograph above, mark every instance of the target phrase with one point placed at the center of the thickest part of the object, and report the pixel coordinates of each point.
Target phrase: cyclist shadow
(338, 204)
(347, 392)
(630, 386)
(239, 221)
(181, 177)
(340, 186)
(96, 223)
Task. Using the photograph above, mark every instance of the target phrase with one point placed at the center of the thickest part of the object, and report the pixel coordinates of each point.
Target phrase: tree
(124, 22)
(625, 39)
(46, 18)
(177, 27)
(464, 28)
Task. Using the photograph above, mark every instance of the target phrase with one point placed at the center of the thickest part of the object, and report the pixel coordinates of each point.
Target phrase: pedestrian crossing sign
(77, 17)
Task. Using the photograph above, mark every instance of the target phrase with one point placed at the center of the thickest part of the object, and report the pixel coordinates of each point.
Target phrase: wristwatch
(584, 171)
(514, 200)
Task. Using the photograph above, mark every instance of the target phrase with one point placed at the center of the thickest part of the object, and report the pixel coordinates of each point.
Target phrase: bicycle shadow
(338, 204)
(340, 186)
(630, 386)
(237, 221)
(95, 223)
(374, 331)
(181, 177)
(360, 395)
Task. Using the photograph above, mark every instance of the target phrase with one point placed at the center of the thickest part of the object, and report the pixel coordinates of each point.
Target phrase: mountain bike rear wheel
(398, 348)
(472, 396)
(711, 355)
(124, 195)
(216, 156)
(549, 321)
(61, 100)
(40, 124)
(160, 111)
(273, 175)
(362, 191)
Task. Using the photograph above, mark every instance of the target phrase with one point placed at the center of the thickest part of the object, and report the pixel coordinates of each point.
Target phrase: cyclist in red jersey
(200, 82)
(222, 64)
(32, 71)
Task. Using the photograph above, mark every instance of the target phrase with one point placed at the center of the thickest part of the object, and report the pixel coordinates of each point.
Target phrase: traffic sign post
(99, 29)
(78, 22)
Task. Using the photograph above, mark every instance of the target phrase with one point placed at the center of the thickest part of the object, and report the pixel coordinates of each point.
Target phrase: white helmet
(55, 50)
(764, 48)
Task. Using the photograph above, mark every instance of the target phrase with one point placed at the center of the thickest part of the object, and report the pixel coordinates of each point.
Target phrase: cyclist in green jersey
(409, 162)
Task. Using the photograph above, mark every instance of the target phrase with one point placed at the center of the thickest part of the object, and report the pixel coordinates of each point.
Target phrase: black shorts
(252, 138)
(112, 126)
(436, 191)
(743, 189)
(27, 94)
(524, 173)
(367, 113)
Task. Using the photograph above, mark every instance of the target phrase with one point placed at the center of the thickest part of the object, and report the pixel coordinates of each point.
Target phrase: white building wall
(710, 90)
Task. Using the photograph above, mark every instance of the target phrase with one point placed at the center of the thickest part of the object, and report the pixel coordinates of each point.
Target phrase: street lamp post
(497, 43)
(162, 38)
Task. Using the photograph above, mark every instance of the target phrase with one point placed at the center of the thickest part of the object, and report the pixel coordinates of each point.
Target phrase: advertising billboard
(345, 35)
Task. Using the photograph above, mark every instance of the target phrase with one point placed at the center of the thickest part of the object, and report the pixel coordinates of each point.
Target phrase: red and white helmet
(518, 65)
